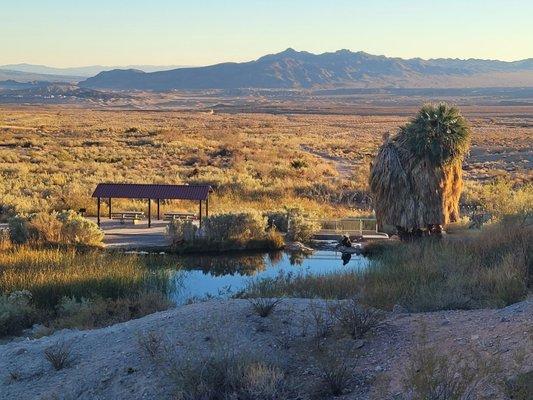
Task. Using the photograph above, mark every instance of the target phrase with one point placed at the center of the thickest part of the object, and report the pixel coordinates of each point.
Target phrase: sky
(201, 32)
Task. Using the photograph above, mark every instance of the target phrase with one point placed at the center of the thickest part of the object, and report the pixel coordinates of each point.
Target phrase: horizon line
(181, 65)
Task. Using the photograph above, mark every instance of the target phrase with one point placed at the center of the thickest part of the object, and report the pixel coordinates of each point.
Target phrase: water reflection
(228, 264)
(275, 257)
(297, 258)
(197, 277)
(346, 257)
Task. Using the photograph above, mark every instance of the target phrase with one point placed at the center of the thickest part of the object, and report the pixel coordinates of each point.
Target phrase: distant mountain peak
(289, 50)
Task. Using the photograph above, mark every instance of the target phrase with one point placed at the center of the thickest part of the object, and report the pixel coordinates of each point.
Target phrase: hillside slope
(110, 363)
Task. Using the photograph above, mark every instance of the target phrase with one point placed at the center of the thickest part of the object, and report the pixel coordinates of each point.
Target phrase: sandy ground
(109, 364)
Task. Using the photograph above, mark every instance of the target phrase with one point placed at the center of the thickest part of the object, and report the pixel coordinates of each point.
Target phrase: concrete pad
(134, 236)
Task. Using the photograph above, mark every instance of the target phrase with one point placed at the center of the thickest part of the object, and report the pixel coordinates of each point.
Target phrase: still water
(200, 277)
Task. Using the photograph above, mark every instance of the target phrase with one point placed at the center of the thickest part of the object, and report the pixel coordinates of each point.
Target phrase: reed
(53, 273)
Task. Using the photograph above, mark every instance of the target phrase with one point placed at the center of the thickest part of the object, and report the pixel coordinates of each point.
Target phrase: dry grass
(336, 376)
(355, 319)
(491, 268)
(52, 157)
(264, 307)
(220, 375)
(70, 288)
(51, 274)
(59, 355)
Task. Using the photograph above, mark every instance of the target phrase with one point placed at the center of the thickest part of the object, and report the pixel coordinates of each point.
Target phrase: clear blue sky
(200, 32)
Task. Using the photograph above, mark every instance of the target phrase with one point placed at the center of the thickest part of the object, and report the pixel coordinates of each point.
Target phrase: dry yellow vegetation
(52, 157)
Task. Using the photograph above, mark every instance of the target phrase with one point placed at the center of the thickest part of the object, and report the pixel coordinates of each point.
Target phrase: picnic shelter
(157, 192)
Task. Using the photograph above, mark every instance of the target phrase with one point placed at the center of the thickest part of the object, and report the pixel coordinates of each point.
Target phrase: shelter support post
(200, 214)
(158, 206)
(98, 211)
(110, 208)
(207, 206)
(149, 213)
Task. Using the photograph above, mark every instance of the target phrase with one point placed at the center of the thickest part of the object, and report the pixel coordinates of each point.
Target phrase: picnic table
(128, 215)
(172, 216)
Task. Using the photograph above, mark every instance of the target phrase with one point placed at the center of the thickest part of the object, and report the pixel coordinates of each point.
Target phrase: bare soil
(108, 363)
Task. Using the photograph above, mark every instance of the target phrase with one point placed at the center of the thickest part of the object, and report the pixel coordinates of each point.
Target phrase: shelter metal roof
(152, 191)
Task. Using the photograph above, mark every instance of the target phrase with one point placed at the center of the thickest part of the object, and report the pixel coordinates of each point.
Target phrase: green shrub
(301, 229)
(79, 230)
(67, 227)
(45, 227)
(16, 312)
(18, 229)
(499, 198)
(278, 220)
(182, 231)
(232, 231)
(236, 227)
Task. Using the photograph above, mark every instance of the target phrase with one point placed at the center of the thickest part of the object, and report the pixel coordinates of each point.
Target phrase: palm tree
(416, 177)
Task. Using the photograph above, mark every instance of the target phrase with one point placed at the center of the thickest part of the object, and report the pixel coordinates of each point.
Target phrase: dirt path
(343, 166)
(18, 127)
(108, 363)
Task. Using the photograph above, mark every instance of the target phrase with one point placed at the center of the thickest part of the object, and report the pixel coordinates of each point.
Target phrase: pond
(200, 277)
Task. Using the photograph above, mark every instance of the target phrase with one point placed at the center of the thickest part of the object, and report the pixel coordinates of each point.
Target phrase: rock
(359, 343)
(19, 351)
(516, 308)
(36, 331)
(298, 247)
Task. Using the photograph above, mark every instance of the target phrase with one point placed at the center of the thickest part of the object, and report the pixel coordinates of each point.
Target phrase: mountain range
(79, 72)
(293, 69)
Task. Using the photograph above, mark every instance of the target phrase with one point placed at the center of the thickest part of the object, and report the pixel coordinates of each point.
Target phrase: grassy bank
(491, 268)
(46, 285)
